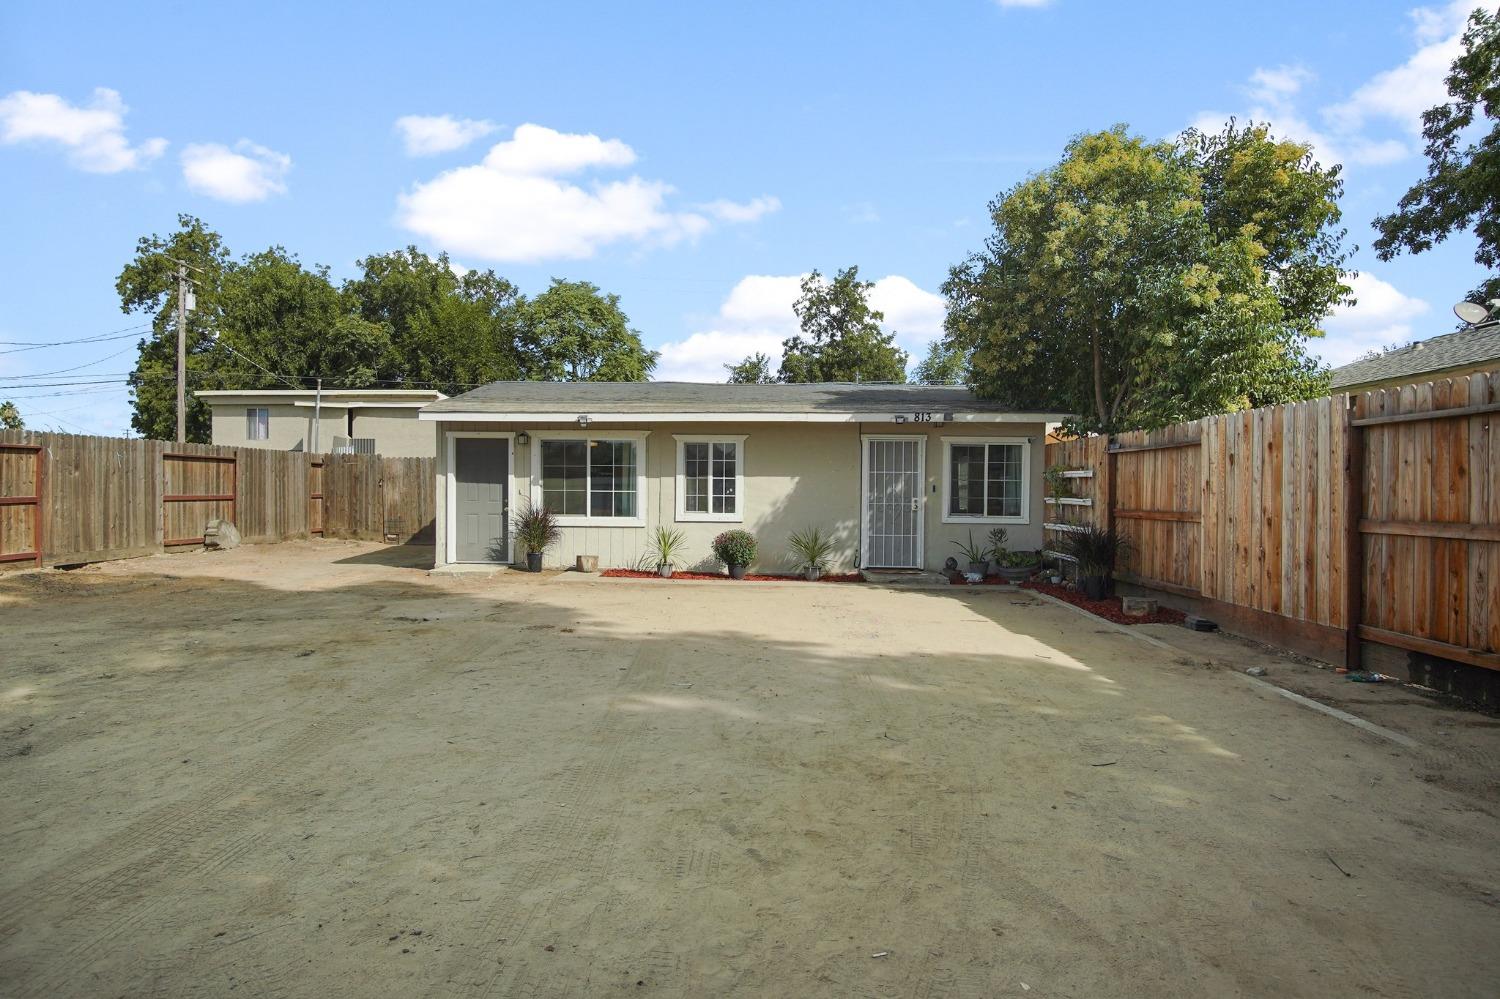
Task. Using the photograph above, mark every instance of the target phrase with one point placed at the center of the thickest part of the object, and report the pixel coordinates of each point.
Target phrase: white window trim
(257, 410)
(581, 520)
(683, 515)
(959, 518)
(451, 495)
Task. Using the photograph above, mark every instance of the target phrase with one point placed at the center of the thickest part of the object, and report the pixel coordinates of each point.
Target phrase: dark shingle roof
(647, 398)
(1474, 345)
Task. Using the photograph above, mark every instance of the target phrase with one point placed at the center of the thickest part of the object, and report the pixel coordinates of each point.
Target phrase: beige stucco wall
(289, 426)
(797, 475)
(397, 431)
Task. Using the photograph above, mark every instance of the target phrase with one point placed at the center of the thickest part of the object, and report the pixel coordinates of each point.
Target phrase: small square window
(258, 424)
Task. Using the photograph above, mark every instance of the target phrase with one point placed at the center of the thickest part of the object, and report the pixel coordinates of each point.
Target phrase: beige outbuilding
(896, 474)
(354, 421)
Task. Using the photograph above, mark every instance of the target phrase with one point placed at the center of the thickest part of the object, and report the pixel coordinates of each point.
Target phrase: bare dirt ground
(311, 770)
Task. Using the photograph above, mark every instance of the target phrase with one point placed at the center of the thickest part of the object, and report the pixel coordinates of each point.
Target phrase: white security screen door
(893, 502)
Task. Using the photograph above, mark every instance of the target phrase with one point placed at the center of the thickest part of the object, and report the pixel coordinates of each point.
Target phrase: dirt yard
(313, 770)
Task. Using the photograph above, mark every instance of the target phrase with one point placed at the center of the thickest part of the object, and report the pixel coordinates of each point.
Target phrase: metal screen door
(893, 503)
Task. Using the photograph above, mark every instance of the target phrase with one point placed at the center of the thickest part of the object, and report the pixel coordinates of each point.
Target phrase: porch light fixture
(523, 438)
(900, 419)
(583, 421)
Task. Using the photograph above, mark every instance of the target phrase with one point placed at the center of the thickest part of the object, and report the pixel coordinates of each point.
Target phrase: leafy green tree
(753, 370)
(841, 338)
(10, 417)
(573, 332)
(149, 284)
(1462, 188)
(444, 331)
(1138, 284)
(943, 365)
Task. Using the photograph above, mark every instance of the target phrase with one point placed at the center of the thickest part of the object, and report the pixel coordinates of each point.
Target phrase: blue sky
(693, 158)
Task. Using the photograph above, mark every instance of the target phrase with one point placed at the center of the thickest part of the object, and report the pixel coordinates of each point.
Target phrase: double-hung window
(986, 480)
(710, 478)
(588, 480)
(257, 424)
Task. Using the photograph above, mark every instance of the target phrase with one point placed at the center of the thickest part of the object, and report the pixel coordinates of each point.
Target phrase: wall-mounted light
(523, 438)
(583, 421)
(900, 419)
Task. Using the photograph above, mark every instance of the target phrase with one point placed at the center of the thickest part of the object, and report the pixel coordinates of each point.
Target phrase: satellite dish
(1471, 312)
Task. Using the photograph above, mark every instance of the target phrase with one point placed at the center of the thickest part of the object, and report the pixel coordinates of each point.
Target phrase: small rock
(549, 948)
(1256, 671)
(1138, 606)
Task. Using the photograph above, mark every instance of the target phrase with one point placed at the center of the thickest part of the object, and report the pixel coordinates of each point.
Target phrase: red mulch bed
(750, 577)
(1108, 608)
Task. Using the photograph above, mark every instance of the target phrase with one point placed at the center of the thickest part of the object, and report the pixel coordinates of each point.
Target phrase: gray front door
(481, 477)
(893, 502)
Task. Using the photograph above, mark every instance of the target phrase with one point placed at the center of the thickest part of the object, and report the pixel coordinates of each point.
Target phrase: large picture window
(587, 479)
(986, 479)
(710, 478)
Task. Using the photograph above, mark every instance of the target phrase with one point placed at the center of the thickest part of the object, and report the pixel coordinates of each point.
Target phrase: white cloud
(428, 135)
(93, 134)
(757, 316)
(734, 211)
(1394, 98)
(1403, 93)
(1381, 316)
(513, 206)
(247, 172)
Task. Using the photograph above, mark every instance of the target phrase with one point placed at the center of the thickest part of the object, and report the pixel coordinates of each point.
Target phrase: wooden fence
(67, 499)
(1316, 525)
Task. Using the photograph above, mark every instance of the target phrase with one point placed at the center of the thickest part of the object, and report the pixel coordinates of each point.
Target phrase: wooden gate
(21, 503)
(195, 489)
(315, 498)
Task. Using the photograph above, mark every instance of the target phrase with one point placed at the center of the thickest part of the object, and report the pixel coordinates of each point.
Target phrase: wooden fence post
(1111, 466)
(1354, 505)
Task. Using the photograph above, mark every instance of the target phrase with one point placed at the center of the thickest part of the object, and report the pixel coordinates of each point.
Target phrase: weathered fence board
(105, 498)
(1320, 523)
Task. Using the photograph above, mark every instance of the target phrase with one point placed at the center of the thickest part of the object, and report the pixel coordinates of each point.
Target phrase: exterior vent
(353, 445)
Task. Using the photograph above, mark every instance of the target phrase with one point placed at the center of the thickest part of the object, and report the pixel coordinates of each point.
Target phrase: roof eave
(572, 416)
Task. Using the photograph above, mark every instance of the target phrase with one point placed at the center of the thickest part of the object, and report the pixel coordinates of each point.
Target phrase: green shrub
(811, 548)
(536, 528)
(735, 548)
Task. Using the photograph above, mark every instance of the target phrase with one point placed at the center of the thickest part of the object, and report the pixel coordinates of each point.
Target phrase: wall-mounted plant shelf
(1070, 500)
(1078, 473)
(1065, 527)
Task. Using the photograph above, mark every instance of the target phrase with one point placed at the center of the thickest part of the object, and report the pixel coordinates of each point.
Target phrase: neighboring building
(362, 421)
(896, 473)
(1476, 348)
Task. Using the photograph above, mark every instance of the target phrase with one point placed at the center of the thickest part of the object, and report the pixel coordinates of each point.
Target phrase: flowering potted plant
(736, 549)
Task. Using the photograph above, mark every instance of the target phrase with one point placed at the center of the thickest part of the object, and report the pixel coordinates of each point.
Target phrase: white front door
(893, 507)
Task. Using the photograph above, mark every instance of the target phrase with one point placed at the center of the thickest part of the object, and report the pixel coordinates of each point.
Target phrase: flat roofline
(429, 394)
(572, 416)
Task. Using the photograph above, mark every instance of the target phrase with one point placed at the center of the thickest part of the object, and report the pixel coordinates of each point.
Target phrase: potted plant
(976, 555)
(1096, 551)
(536, 530)
(736, 549)
(812, 551)
(666, 544)
(1013, 567)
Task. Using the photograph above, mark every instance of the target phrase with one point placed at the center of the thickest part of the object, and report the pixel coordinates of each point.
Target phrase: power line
(18, 346)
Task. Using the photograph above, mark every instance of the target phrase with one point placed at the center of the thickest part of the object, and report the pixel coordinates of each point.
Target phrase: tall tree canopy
(1462, 187)
(753, 370)
(406, 319)
(841, 338)
(944, 364)
(1140, 283)
(10, 417)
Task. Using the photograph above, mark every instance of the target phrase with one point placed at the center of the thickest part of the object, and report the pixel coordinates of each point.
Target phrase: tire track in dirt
(572, 838)
(104, 892)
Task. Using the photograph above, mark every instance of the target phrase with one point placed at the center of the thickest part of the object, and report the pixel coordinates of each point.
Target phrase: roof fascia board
(722, 417)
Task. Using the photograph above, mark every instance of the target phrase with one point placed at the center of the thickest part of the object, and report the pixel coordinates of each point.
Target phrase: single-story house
(1475, 348)
(895, 473)
(353, 421)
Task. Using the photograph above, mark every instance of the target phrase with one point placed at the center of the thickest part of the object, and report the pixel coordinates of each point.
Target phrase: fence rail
(1319, 524)
(67, 499)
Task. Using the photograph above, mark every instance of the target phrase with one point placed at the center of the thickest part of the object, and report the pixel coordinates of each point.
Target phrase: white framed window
(257, 424)
(711, 477)
(589, 479)
(986, 480)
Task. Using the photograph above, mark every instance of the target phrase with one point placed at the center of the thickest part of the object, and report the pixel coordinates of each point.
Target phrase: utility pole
(182, 284)
(317, 415)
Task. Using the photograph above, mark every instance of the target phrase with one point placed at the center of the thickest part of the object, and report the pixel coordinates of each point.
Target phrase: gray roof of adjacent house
(697, 400)
(1467, 347)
